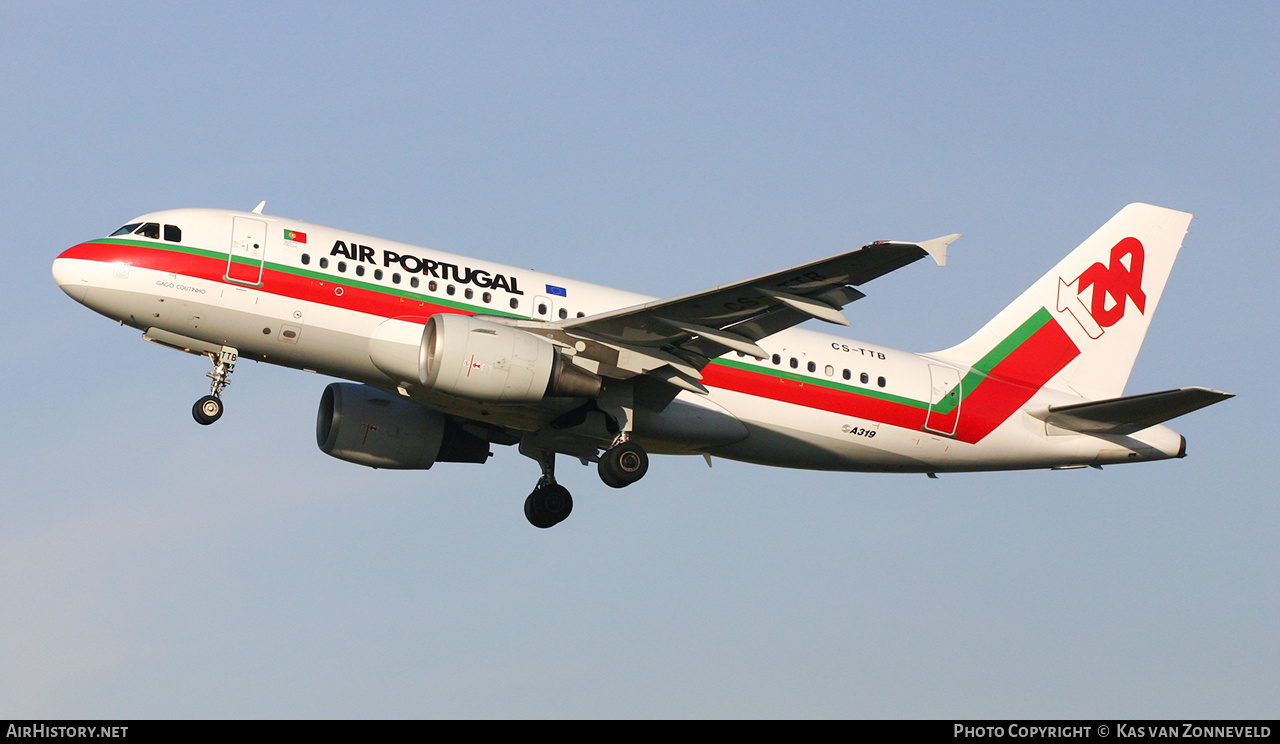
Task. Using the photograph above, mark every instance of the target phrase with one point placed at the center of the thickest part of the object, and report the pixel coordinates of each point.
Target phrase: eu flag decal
(557, 291)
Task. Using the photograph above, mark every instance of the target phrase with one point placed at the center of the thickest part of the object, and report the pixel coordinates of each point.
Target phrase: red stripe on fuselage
(786, 390)
(332, 292)
(1005, 389)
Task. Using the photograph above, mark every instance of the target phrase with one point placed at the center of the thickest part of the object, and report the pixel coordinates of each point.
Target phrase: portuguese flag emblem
(295, 236)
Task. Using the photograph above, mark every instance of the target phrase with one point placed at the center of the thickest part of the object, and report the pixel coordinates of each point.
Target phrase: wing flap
(756, 307)
(1131, 413)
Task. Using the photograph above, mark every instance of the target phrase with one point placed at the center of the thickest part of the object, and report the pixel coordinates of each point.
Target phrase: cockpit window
(150, 230)
(173, 233)
(126, 229)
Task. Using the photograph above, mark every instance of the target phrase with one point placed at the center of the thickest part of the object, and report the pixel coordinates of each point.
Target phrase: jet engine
(364, 425)
(465, 356)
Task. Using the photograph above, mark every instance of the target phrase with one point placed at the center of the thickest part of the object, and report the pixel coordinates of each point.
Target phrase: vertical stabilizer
(1099, 300)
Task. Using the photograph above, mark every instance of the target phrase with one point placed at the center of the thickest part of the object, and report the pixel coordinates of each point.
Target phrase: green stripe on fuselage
(820, 382)
(316, 275)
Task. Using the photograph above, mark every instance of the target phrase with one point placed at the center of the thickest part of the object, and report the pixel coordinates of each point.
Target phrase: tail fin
(1089, 314)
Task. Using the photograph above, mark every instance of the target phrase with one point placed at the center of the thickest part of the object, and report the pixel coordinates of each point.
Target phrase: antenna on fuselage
(258, 209)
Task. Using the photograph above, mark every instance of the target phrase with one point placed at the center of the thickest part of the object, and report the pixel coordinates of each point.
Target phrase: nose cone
(71, 275)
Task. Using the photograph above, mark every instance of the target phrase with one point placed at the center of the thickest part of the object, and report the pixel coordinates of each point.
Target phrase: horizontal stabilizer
(1132, 412)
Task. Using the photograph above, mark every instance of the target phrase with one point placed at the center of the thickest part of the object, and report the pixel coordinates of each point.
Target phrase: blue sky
(151, 567)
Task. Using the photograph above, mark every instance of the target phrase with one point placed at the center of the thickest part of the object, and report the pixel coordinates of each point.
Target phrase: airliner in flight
(445, 356)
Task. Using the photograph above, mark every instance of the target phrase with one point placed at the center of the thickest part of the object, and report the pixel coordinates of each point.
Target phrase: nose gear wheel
(207, 410)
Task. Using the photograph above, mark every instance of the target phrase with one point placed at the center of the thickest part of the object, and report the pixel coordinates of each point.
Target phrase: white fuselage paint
(312, 329)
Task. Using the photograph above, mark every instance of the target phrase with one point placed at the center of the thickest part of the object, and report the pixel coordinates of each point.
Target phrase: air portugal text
(441, 270)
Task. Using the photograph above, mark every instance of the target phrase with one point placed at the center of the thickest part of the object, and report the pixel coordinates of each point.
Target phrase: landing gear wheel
(623, 464)
(207, 410)
(548, 505)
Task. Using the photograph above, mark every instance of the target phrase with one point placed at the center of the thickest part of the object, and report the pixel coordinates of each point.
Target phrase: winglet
(937, 248)
(258, 209)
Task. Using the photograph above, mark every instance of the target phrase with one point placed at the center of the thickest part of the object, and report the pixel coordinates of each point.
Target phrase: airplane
(444, 356)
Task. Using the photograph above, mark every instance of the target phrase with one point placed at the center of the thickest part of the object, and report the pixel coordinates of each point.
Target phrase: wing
(674, 339)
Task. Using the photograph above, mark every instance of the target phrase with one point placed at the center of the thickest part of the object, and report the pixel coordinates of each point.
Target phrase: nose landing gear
(209, 408)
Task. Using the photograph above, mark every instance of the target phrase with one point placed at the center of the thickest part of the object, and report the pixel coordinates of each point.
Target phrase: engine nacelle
(364, 425)
(465, 356)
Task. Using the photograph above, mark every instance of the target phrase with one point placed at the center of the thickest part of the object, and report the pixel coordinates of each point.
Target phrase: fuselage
(316, 298)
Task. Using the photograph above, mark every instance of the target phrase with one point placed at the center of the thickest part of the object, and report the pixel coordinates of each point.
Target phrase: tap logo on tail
(1113, 285)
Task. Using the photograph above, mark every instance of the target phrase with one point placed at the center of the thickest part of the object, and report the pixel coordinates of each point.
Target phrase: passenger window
(395, 278)
(880, 381)
(847, 375)
(126, 229)
(359, 269)
(777, 359)
(431, 285)
(795, 363)
(468, 293)
(342, 266)
(150, 230)
(377, 274)
(515, 304)
(450, 289)
(563, 313)
(306, 259)
(324, 262)
(831, 371)
(487, 297)
(173, 233)
(413, 282)
(864, 378)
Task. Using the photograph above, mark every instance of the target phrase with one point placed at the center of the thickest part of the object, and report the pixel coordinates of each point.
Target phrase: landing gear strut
(209, 408)
(550, 502)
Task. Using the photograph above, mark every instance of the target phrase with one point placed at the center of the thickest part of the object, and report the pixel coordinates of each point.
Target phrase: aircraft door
(248, 251)
(944, 400)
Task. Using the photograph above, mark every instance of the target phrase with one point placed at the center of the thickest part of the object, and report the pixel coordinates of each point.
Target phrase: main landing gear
(623, 464)
(209, 408)
(550, 503)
